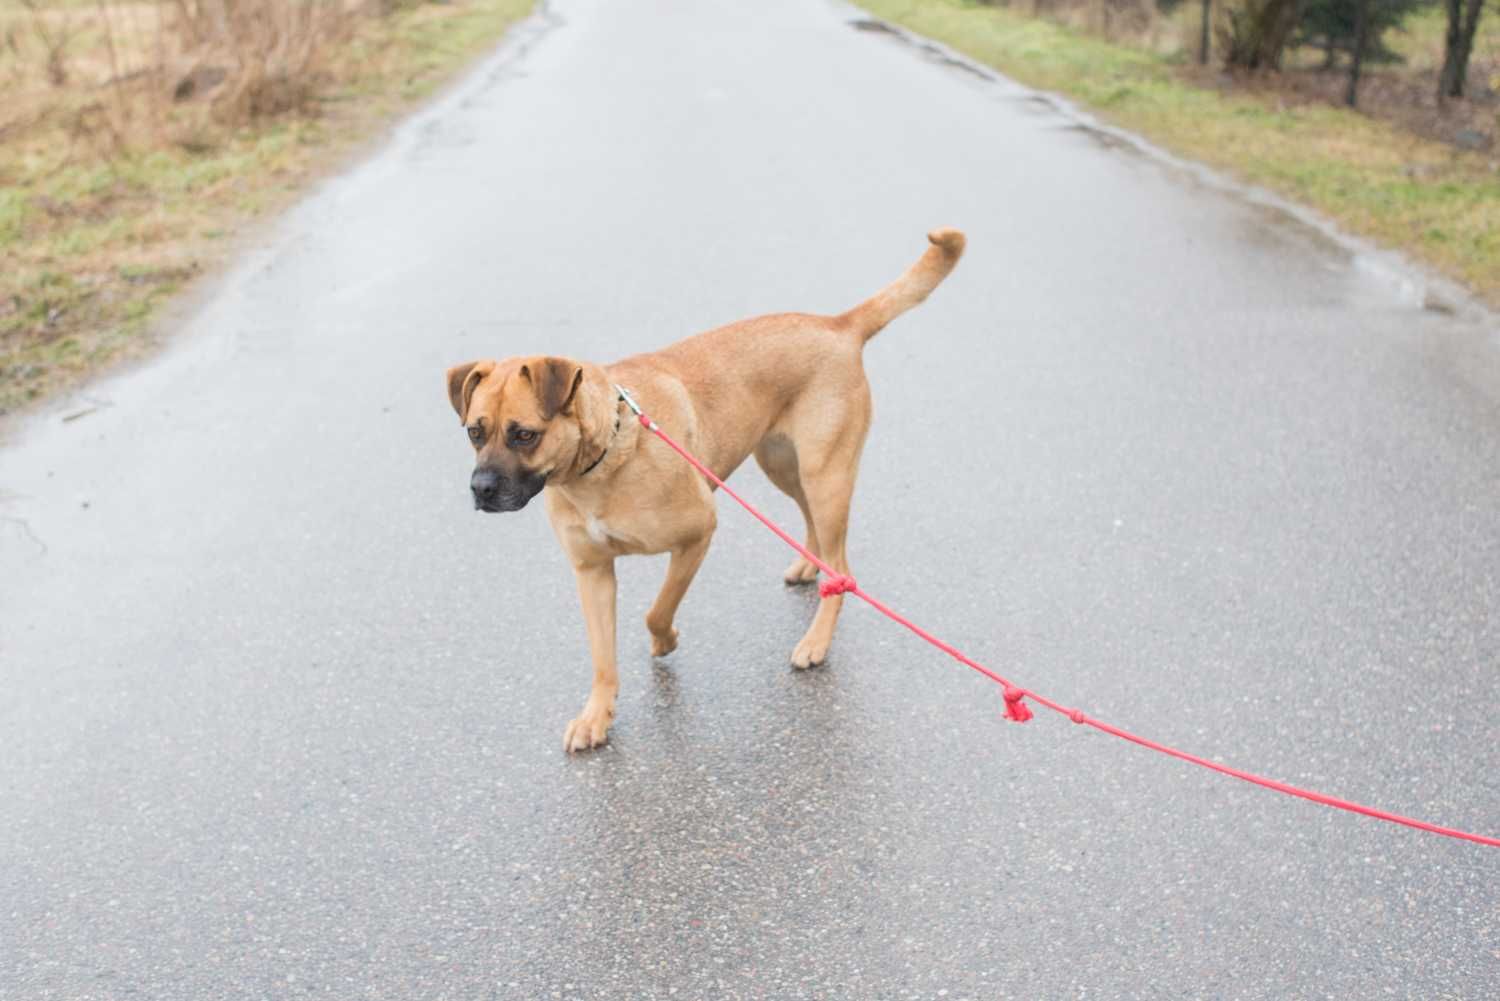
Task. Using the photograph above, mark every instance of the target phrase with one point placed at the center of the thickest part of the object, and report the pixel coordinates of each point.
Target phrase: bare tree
(1357, 60)
(1463, 23)
(1203, 25)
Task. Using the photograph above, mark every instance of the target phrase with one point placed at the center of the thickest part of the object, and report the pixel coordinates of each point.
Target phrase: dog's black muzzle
(494, 491)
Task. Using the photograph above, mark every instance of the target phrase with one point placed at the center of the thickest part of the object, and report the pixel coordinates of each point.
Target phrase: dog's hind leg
(829, 486)
(680, 572)
(778, 459)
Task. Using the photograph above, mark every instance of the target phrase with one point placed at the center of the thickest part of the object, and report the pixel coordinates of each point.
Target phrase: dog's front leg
(685, 563)
(596, 589)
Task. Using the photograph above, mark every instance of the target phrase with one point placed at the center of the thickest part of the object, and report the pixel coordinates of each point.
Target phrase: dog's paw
(591, 728)
(800, 572)
(664, 643)
(810, 652)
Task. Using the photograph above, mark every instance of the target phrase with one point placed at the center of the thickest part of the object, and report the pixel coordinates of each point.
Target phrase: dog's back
(759, 368)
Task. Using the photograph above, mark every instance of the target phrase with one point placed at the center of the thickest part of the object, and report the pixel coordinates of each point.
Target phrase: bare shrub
(1119, 20)
(121, 76)
(255, 57)
(54, 33)
(280, 54)
(141, 72)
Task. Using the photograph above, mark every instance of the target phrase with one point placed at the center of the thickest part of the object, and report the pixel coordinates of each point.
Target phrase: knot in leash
(1076, 715)
(837, 584)
(1015, 709)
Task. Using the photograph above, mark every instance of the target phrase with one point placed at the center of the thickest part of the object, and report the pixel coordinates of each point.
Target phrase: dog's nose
(486, 485)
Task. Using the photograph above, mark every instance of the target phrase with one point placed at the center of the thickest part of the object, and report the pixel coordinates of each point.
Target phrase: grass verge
(1439, 204)
(95, 234)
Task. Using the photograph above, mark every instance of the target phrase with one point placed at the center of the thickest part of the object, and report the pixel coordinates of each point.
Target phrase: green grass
(1440, 205)
(94, 238)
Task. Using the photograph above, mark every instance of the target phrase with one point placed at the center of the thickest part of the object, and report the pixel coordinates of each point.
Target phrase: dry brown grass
(146, 73)
(135, 137)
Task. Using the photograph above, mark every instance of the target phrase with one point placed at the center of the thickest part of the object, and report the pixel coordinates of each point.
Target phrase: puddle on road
(1103, 137)
(1035, 104)
(1273, 228)
(933, 52)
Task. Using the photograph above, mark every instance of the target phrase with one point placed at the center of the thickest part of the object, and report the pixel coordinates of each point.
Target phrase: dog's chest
(616, 529)
(597, 529)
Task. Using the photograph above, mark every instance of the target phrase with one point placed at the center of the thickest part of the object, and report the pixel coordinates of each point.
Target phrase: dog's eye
(476, 433)
(522, 436)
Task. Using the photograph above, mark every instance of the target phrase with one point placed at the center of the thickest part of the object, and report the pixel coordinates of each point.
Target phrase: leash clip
(635, 407)
(629, 400)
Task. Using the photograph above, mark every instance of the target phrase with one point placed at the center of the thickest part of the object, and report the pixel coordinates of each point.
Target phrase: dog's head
(528, 420)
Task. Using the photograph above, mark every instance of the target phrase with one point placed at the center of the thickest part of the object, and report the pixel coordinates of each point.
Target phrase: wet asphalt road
(282, 715)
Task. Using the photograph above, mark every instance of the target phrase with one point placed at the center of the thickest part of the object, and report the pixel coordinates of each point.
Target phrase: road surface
(282, 715)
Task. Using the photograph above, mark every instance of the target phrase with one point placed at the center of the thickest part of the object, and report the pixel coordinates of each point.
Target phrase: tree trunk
(1357, 59)
(1259, 31)
(1203, 39)
(1458, 46)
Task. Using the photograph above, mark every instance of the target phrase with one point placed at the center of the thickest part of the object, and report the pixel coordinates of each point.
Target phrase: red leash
(1015, 696)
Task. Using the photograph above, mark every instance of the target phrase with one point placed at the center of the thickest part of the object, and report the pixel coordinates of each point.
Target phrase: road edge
(1413, 283)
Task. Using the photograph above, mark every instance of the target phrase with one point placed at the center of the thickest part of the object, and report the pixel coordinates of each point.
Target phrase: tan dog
(789, 389)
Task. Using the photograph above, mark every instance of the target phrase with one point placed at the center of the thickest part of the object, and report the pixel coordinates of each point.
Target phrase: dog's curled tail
(871, 316)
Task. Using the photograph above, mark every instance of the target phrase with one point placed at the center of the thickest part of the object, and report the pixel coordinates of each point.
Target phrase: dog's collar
(612, 434)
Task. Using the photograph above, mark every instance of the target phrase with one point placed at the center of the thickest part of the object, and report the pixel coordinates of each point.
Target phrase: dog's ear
(555, 381)
(461, 382)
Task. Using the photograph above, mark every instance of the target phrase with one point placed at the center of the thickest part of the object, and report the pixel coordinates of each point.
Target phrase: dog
(789, 389)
